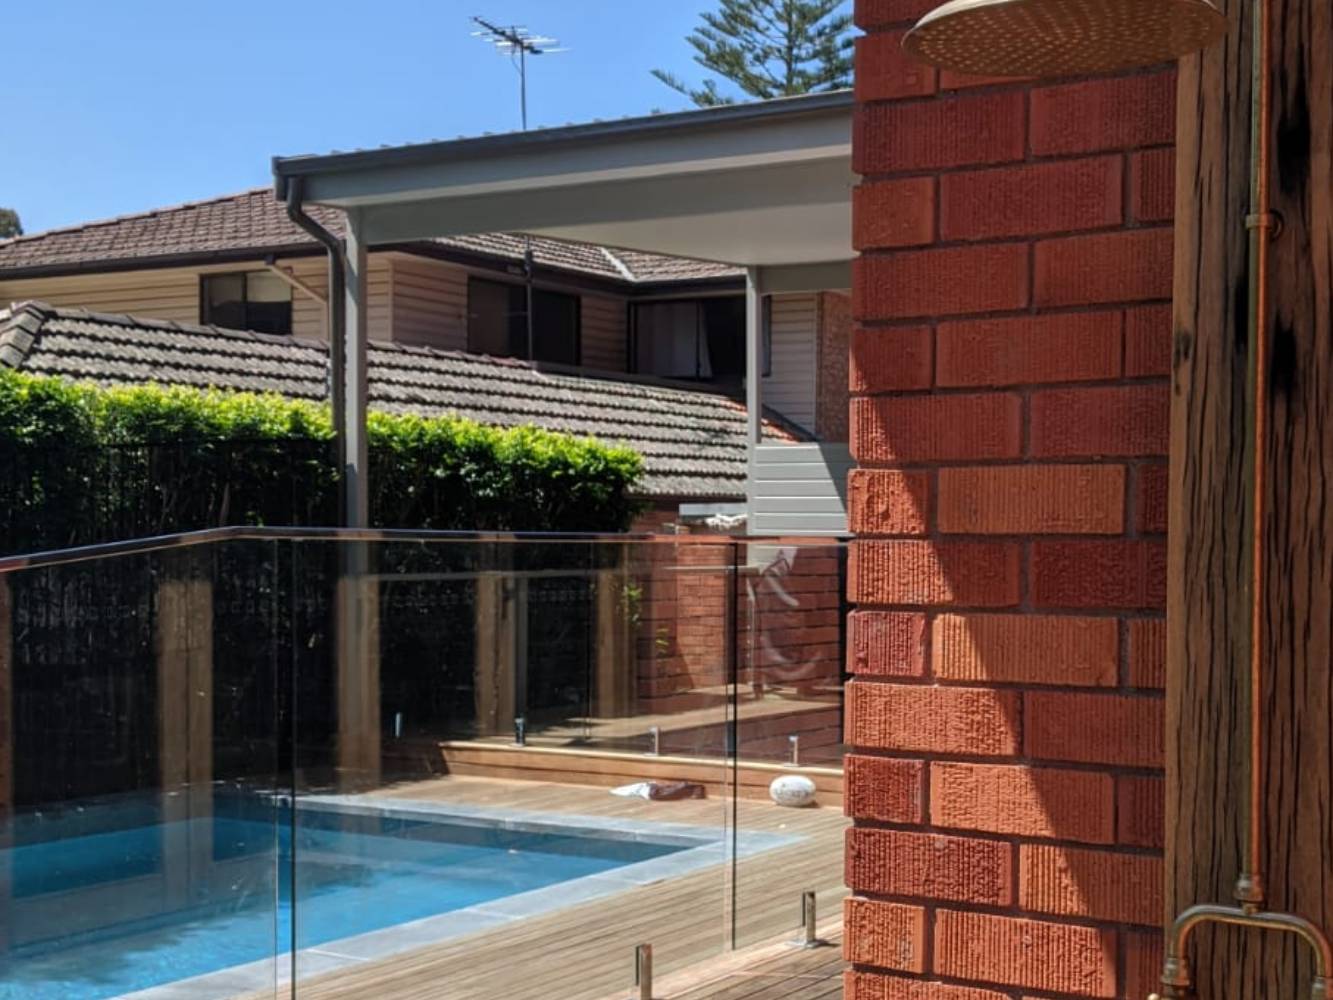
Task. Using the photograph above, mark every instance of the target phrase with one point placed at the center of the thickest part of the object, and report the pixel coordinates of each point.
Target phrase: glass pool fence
(279, 762)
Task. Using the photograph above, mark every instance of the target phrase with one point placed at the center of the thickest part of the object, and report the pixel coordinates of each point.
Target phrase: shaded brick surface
(882, 788)
(860, 985)
(1088, 422)
(1078, 882)
(972, 721)
(1032, 499)
(1098, 574)
(1140, 811)
(1037, 954)
(927, 135)
(884, 71)
(1095, 728)
(893, 213)
(898, 863)
(1153, 185)
(950, 281)
(886, 935)
(889, 359)
(886, 643)
(974, 574)
(1119, 113)
(1147, 653)
(1127, 420)
(879, 13)
(936, 428)
(1031, 649)
(888, 501)
(1123, 266)
(1148, 340)
(1150, 499)
(1068, 347)
(1031, 199)
(1030, 802)
(1143, 964)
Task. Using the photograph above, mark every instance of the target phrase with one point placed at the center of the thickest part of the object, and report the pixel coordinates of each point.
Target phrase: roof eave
(549, 139)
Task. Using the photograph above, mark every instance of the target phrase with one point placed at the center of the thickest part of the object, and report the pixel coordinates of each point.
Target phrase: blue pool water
(96, 912)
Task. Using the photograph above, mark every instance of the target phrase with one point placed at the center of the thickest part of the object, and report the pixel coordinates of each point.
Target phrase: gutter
(337, 313)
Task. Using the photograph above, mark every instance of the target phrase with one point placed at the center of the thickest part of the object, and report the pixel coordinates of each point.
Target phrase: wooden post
(1207, 728)
(358, 665)
(494, 647)
(184, 653)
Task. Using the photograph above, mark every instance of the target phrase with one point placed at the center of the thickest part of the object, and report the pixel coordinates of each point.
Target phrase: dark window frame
(635, 361)
(206, 320)
(537, 290)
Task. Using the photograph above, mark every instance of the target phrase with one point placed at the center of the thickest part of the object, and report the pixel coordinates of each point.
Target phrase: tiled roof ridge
(150, 213)
(19, 326)
(618, 264)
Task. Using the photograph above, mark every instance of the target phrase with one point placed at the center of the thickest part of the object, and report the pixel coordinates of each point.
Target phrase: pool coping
(711, 846)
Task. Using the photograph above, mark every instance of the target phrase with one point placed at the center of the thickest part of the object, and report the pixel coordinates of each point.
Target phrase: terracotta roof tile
(255, 220)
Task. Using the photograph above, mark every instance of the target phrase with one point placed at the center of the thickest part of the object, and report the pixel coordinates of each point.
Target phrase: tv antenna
(518, 43)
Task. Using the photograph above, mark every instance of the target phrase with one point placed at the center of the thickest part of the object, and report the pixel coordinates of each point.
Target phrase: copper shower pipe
(1263, 226)
(1250, 888)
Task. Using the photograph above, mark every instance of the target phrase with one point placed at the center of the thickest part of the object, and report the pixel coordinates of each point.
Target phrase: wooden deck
(586, 951)
(775, 972)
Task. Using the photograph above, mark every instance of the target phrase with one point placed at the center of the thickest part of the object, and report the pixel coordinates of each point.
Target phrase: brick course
(1010, 402)
(1037, 954)
(1026, 649)
(1024, 801)
(1029, 349)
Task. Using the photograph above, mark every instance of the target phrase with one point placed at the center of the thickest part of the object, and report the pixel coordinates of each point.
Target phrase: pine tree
(9, 223)
(770, 48)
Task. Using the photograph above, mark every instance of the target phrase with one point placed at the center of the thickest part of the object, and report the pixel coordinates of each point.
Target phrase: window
(249, 300)
(696, 339)
(497, 322)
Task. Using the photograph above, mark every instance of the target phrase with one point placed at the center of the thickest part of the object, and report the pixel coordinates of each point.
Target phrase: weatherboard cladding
(693, 442)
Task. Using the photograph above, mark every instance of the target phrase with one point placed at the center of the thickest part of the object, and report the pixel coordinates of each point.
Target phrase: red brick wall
(1009, 414)
(835, 323)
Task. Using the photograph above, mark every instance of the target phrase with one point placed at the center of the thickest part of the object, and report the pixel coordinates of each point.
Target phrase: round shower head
(1043, 38)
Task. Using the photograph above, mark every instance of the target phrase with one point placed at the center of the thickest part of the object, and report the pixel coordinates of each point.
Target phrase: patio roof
(759, 184)
(765, 186)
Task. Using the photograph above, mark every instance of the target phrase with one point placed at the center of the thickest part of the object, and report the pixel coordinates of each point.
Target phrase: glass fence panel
(788, 713)
(438, 766)
(482, 811)
(141, 793)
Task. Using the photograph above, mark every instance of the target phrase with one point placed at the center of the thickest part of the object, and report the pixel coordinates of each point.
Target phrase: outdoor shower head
(1045, 38)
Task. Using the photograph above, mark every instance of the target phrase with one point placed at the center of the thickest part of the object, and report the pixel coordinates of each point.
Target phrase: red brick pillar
(1009, 416)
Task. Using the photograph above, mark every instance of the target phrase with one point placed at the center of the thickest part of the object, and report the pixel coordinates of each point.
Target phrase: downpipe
(337, 314)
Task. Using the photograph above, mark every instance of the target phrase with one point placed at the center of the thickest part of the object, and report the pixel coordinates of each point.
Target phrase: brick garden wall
(1009, 415)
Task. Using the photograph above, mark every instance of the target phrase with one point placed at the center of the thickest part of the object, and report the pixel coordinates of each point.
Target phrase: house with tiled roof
(692, 442)
(633, 347)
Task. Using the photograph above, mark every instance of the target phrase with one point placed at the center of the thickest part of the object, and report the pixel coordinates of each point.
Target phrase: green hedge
(80, 463)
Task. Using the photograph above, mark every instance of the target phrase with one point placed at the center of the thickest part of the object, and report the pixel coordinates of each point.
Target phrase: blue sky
(115, 107)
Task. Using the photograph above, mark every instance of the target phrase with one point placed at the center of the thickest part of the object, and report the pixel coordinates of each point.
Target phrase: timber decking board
(585, 951)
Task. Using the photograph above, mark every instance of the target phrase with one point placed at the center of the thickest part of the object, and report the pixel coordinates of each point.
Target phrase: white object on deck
(792, 790)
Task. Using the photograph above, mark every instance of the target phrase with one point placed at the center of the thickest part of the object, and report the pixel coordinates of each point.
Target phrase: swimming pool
(122, 901)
